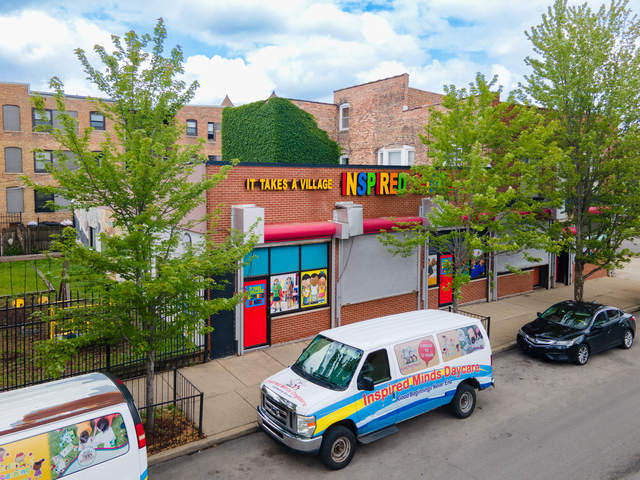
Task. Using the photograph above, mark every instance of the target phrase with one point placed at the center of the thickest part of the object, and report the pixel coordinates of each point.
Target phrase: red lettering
(447, 371)
(377, 395)
(405, 384)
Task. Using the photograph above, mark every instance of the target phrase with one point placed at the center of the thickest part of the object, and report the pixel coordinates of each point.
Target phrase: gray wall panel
(372, 272)
(517, 260)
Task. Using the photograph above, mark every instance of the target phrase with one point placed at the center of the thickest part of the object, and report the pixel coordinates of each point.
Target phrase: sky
(301, 49)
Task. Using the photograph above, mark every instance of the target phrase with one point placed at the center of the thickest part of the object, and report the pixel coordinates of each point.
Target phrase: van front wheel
(464, 401)
(338, 447)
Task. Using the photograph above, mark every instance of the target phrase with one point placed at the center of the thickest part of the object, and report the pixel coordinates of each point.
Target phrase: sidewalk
(231, 385)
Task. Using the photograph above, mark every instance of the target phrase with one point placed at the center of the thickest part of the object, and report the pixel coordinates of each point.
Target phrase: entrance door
(562, 268)
(256, 321)
(446, 279)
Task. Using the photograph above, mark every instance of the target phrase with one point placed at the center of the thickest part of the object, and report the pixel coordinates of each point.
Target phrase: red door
(446, 278)
(255, 314)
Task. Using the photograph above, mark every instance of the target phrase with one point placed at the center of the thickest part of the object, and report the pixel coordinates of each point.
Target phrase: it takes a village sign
(352, 183)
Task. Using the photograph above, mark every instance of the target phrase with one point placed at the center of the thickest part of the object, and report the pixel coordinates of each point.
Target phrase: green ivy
(275, 131)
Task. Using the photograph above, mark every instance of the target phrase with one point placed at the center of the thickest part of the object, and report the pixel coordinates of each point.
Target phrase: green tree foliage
(141, 175)
(480, 178)
(586, 75)
(275, 131)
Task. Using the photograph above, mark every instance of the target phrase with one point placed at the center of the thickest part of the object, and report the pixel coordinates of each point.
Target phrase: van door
(380, 406)
(420, 384)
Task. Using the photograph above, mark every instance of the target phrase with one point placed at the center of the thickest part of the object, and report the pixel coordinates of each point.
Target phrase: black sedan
(572, 331)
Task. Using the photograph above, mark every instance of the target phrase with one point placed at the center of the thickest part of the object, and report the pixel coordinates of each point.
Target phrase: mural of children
(314, 288)
(289, 292)
(445, 348)
(19, 460)
(37, 467)
(322, 287)
(306, 289)
(84, 434)
(3, 453)
(104, 434)
(276, 289)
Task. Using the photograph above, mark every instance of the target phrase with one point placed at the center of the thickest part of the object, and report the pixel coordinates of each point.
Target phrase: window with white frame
(344, 160)
(344, 116)
(401, 156)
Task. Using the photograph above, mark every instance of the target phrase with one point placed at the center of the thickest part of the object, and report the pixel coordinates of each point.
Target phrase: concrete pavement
(231, 385)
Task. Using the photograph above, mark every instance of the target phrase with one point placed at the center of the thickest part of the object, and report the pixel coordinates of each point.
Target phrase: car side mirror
(538, 314)
(366, 384)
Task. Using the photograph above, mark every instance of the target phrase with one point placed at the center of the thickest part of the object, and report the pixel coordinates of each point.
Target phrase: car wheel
(627, 342)
(338, 447)
(583, 355)
(464, 401)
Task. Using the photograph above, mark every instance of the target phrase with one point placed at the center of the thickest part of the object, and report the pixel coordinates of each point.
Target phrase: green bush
(275, 131)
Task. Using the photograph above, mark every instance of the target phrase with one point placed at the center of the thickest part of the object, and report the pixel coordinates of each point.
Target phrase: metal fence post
(108, 358)
(175, 384)
(201, 412)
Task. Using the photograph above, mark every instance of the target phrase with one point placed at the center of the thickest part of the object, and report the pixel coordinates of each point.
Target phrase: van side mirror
(366, 384)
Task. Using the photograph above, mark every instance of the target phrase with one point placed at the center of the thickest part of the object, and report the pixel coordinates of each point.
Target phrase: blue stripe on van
(145, 475)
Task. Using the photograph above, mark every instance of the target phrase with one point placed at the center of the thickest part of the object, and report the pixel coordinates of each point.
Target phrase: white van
(359, 380)
(84, 427)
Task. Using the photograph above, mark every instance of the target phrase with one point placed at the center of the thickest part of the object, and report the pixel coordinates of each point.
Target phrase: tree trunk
(150, 384)
(455, 304)
(578, 281)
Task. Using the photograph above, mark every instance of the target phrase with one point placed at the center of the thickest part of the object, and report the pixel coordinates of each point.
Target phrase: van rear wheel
(464, 401)
(338, 447)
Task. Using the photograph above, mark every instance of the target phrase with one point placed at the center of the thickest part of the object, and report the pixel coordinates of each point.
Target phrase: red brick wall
(419, 98)
(434, 297)
(535, 276)
(474, 291)
(512, 284)
(285, 206)
(588, 268)
(326, 114)
(300, 325)
(378, 308)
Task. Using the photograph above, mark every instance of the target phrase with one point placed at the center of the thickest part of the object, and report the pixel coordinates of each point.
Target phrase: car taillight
(142, 439)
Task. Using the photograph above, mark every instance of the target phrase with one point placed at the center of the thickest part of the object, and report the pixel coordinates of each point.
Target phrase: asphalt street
(543, 420)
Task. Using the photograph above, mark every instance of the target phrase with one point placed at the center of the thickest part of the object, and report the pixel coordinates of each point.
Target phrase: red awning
(278, 232)
(374, 225)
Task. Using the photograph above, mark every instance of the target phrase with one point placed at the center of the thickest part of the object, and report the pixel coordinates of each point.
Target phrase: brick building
(18, 140)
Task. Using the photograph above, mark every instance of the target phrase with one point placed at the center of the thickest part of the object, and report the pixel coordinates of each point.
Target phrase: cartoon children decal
(276, 291)
(306, 290)
(289, 292)
(37, 468)
(314, 288)
(3, 453)
(322, 287)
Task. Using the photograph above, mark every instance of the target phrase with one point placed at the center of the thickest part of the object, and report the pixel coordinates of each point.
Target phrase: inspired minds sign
(353, 183)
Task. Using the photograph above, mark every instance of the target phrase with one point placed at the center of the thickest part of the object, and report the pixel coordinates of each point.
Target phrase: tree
(488, 160)
(149, 294)
(586, 76)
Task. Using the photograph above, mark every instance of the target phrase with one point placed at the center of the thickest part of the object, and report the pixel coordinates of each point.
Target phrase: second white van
(360, 380)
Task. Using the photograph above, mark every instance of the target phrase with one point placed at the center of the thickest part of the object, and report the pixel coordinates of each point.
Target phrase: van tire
(464, 401)
(338, 447)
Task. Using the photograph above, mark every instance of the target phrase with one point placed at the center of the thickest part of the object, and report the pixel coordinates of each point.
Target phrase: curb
(203, 444)
(504, 348)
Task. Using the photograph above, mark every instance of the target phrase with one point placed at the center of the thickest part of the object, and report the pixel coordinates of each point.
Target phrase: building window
(41, 119)
(192, 128)
(344, 160)
(211, 131)
(67, 159)
(13, 160)
(41, 159)
(97, 121)
(215, 158)
(401, 156)
(11, 118)
(15, 200)
(41, 200)
(344, 116)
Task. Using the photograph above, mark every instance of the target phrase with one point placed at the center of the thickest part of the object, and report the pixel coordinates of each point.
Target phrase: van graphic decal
(411, 391)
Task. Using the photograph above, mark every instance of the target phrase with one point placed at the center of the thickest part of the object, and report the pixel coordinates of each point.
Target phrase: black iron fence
(486, 321)
(20, 365)
(177, 409)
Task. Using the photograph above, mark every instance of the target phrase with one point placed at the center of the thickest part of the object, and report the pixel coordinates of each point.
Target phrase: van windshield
(328, 363)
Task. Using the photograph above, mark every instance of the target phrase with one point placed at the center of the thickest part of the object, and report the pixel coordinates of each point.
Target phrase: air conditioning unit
(244, 216)
(348, 219)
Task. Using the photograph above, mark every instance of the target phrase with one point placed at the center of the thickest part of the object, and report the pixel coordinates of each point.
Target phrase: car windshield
(328, 363)
(567, 315)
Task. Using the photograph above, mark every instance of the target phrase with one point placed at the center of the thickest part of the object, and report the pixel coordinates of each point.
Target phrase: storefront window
(297, 275)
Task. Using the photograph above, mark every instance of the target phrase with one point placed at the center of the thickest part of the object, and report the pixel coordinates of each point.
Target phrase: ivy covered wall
(275, 131)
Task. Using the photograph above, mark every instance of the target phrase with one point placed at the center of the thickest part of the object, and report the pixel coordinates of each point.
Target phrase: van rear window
(416, 355)
(59, 453)
(460, 342)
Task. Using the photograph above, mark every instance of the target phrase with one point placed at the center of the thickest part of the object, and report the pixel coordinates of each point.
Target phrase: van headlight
(305, 426)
